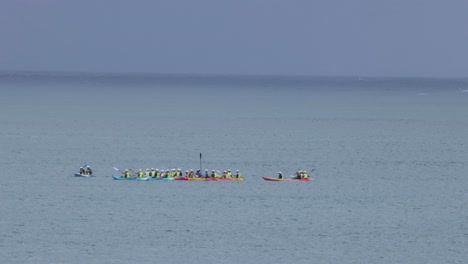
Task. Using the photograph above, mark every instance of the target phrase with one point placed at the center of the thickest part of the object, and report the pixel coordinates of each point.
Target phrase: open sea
(390, 161)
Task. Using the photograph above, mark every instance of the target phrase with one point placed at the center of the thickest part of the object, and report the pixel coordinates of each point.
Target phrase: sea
(387, 158)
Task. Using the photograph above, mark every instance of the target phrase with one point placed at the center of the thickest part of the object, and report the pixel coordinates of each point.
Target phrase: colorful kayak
(160, 179)
(230, 179)
(84, 175)
(116, 177)
(266, 178)
(202, 179)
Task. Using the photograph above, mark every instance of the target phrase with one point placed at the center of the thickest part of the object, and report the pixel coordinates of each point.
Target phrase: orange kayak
(202, 179)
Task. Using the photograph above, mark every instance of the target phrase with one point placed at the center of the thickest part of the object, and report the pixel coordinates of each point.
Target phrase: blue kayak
(160, 179)
(117, 177)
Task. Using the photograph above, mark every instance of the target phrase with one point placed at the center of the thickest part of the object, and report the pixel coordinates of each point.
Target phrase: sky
(391, 38)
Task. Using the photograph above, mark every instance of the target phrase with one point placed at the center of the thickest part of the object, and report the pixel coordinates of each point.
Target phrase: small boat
(84, 175)
(231, 179)
(160, 179)
(266, 178)
(117, 177)
(202, 179)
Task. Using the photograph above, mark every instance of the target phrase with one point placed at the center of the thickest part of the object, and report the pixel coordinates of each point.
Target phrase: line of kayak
(120, 178)
(266, 178)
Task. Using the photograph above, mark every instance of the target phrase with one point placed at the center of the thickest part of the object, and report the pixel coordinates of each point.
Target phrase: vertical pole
(200, 163)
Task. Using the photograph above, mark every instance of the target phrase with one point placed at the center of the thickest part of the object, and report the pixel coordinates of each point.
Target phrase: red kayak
(266, 178)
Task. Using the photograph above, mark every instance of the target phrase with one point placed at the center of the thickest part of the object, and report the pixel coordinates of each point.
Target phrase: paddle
(135, 175)
(310, 175)
(123, 173)
(200, 162)
(219, 175)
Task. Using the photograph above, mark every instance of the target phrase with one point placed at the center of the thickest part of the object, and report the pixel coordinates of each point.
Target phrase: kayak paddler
(298, 175)
(280, 175)
(82, 171)
(191, 173)
(88, 170)
(140, 174)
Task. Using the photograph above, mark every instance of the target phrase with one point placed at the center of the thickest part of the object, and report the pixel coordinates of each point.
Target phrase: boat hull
(84, 175)
(116, 177)
(231, 179)
(203, 179)
(266, 178)
(160, 179)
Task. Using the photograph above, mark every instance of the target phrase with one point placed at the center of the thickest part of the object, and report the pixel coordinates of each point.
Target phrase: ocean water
(390, 182)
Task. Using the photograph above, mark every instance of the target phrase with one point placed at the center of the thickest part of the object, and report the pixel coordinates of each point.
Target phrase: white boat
(84, 175)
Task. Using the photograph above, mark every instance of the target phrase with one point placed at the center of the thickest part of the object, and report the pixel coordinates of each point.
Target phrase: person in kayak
(88, 170)
(140, 174)
(298, 175)
(213, 174)
(198, 173)
(280, 175)
(238, 174)
(305, 175)
(228, 174)
(82, 171)
(207, 175)
(147, 172)
(127, 174)
(191, 174)
(152, 173)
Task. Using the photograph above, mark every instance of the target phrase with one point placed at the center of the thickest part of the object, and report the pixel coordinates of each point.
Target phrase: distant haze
(413, 38)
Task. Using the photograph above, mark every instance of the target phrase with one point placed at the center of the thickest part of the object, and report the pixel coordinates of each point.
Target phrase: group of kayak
(176, 174)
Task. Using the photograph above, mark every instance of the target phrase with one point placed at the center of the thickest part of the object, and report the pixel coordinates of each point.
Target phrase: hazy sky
(314, 37)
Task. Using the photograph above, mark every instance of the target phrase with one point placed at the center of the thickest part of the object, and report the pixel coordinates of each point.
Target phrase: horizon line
(222, 75)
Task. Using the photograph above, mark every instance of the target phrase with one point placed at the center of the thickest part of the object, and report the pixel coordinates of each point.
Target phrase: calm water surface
(390, 183)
